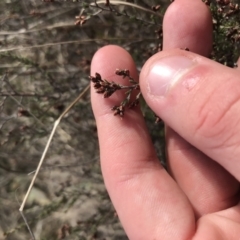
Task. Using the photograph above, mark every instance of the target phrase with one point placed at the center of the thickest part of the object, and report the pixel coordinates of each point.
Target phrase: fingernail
(166, 72)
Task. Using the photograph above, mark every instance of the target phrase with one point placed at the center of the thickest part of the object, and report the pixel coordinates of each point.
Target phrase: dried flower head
(103, 86)
(156, 8)
(107, 88)
(80, 20)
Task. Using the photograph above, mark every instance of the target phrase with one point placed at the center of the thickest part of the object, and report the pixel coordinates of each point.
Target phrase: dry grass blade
(56, 123)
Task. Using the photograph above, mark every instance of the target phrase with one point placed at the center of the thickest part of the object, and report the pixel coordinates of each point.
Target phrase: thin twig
(117, 2)
(70, 42)
(19, 104)
(21, 94)
(28, 227)
(56, 123)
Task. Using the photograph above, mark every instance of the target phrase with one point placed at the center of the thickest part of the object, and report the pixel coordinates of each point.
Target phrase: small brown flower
(98, 76)
(100, 90)
(134, 103)
(158, 119)
(23, 113)
(118, 110)
(124, 73)
(97, 85)
(108, 93)
(156, 8)
(80, 20)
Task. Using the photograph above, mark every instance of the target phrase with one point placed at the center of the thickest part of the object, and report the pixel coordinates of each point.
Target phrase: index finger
(146, 198)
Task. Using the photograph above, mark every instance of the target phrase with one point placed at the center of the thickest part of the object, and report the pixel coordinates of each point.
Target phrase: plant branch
(116, 2)
(70, 42)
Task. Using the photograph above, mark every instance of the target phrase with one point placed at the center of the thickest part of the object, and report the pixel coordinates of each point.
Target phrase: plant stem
(117, 2)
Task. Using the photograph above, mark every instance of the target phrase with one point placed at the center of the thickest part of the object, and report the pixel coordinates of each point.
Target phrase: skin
(198, 197)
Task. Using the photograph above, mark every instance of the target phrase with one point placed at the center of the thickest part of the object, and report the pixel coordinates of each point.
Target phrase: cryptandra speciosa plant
(226, 21)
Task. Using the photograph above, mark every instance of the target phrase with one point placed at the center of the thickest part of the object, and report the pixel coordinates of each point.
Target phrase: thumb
(199, 99)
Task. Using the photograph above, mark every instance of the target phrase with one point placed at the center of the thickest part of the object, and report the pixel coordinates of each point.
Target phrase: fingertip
(105, 62)
(188, 24)
(110, 57)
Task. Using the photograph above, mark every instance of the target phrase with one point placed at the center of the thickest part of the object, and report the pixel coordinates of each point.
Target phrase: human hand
(198, 198)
